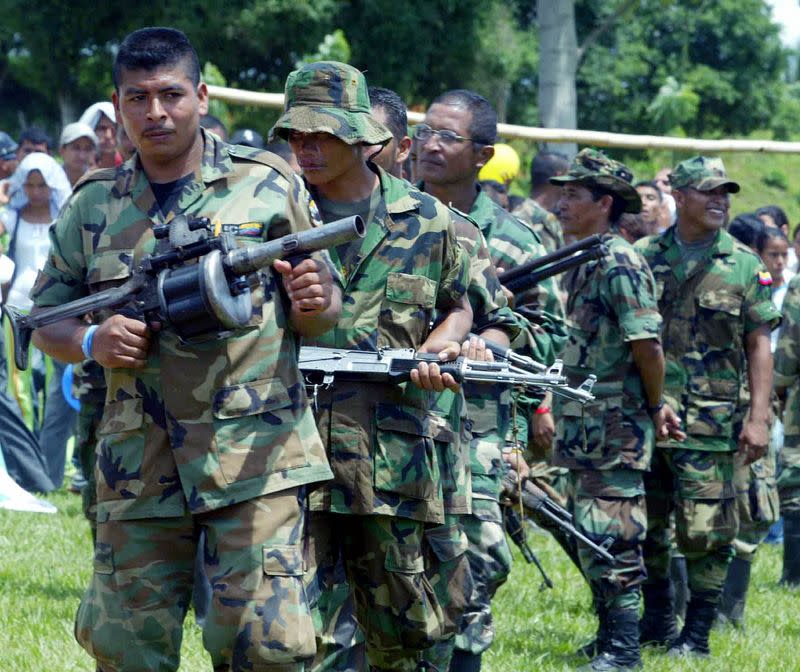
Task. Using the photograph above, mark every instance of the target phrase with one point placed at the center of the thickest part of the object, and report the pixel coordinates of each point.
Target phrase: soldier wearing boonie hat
(384, 443)
(715, 298)
(614, 332)
(329, 97)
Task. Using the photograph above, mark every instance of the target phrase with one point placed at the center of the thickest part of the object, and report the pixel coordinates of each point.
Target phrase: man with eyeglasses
(453, 144)
(714, 295)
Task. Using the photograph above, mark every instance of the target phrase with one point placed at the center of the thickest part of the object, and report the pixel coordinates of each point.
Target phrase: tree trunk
(558, 62)
(66, 108)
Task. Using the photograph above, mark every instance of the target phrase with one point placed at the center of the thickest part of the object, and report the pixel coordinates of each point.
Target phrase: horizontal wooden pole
(555, 135)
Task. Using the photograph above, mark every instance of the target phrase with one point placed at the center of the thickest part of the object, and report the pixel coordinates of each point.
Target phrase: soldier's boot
(658, 626)
(622, 652)
(464, 661)
(679, 575)
(734, 593)
(600, 641)
(791, 549)
(700, 614)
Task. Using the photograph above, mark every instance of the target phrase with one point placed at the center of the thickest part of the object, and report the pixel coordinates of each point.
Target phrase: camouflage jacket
(540, 313)
(611, 303)
(707, 315)
(787, 375)
(491, 310)
(384, 440)
(204, 425)
(545, 223)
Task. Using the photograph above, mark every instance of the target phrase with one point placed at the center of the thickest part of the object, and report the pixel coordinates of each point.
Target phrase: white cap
(77, 130)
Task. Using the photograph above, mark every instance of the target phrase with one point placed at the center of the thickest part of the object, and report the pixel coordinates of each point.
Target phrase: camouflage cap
(330, 97)
(703, 173)
(592, 168)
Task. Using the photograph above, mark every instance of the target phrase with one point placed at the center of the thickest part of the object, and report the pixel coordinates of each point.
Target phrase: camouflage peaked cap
(330, 97)
(703, 173)
(592, 168)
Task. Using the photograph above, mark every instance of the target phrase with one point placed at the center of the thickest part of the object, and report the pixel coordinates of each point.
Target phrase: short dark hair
(210, 121)
(391, 103)
(776, 213)
(652, 185)
(546, 165)
(617, 206)
(769, 233)
(151, 48)
(634, 224)
(483, 126)
(746, 228)
(36, 136)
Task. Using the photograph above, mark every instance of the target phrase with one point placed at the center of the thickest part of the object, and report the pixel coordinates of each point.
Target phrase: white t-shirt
(32, 246)
(778, 295)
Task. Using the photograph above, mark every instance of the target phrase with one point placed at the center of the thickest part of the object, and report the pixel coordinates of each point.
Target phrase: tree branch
(602, 28)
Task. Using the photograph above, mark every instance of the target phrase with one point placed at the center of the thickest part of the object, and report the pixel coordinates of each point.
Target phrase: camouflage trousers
(131, 617)
(393, 600)
(488, 568)
(698, 486)
(85, 445)
(757, 503)
(611, 503)
(555, 481)
(789, 479)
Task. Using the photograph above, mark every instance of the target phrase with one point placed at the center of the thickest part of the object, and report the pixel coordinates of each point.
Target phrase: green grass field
(46, 562)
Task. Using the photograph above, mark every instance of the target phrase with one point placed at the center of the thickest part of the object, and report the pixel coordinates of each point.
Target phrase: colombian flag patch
(254, 230)
(764, 278)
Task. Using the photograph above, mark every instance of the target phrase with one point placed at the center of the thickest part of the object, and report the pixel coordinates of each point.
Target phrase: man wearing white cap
(101, 118)
(78, 148)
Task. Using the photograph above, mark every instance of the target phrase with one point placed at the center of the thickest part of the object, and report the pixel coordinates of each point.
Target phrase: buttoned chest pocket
(583, 324)
(719, 319)
(406, 310)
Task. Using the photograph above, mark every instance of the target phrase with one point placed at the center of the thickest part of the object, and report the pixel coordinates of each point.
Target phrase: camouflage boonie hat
(329, 97)
(702, 173)
(592, 168)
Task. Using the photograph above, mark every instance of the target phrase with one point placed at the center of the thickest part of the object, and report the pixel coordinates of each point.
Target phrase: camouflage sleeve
(541, 315)
(758, 307)
(455, 275)
(630, 295)
(63, 277)
(787, 355)
(489, 303)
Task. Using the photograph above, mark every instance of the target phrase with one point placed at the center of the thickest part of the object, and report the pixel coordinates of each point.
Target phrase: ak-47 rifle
(324, 366)
(197, 300)
(513, 524)
(534, 498)
(563, 259)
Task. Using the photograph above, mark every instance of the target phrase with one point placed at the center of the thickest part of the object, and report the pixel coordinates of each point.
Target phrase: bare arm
(754, 438)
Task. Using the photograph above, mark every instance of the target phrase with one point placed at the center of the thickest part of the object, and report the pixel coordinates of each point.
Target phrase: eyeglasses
(424, 133)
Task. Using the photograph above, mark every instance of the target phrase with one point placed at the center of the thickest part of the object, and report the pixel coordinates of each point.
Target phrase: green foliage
(334, 47)
(775, 179)
(220, 109)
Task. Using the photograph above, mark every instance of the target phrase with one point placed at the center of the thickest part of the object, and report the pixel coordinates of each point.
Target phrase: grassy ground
(46, 564)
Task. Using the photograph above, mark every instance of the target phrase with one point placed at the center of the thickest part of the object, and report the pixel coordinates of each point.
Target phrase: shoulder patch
(764, 278)
(100, 175)
(261, 156)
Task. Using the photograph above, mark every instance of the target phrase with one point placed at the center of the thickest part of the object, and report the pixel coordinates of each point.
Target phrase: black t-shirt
(167, 193)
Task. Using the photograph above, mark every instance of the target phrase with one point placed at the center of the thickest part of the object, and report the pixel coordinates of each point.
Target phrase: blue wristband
(88, 341)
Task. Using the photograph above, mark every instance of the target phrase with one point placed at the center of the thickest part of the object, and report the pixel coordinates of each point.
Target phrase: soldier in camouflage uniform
(714, 297)
(787, 384)
(453, 144)
(607, 445)
(214, 436)
(384, 440)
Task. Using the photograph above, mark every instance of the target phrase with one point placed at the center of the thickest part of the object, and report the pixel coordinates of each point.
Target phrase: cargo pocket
(120, 450)
(288, 628)
(406, 309)
(403, 460)
(251, 424)
(448, 569)
(706, 516)
(418, 619)
(712, 403)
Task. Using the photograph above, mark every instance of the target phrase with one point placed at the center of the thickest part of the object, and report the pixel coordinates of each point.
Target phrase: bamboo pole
(594, 138)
